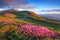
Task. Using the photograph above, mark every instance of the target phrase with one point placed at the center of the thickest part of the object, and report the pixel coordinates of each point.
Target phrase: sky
(34, 5)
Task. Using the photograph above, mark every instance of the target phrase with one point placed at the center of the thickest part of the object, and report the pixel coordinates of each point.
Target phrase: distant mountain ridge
(51, 16)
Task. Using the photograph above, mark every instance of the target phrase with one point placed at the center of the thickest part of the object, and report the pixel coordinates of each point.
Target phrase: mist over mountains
(51, 14)
(52, 10)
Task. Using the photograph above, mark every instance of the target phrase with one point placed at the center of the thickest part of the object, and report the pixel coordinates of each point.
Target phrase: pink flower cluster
(36, 31)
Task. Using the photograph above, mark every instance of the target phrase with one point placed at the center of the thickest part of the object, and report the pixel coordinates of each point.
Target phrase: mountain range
(51, 16)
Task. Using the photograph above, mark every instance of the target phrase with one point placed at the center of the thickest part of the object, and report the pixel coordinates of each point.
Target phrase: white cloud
(2, 9)
(48, 12)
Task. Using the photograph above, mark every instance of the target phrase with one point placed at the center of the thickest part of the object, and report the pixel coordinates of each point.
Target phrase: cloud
(6, 3)
(26, 6)
(9, 1)
(2, 9)
(52, 10)
(31, 6)
(16, 4)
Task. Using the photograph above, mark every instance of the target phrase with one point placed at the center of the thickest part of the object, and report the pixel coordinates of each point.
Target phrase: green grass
(24, 15)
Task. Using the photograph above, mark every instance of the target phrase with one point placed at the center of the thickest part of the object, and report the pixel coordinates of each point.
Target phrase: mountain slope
(33, 18)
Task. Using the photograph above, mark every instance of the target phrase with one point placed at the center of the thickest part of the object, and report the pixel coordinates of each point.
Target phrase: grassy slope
(33, 18)
(30, 17)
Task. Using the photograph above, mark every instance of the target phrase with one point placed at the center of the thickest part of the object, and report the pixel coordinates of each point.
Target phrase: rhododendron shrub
(36, 31)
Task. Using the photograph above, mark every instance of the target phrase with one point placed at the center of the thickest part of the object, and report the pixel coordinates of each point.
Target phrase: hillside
(32, 17)
(16, 24)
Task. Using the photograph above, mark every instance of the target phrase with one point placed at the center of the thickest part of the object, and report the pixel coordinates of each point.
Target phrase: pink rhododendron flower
(36, 31)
